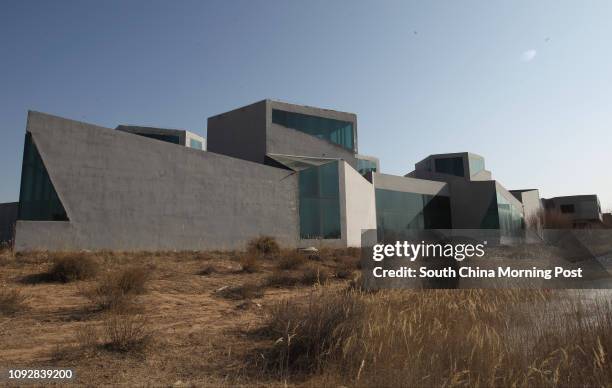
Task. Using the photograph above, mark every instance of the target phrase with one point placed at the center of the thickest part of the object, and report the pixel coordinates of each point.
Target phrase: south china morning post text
(411, 264)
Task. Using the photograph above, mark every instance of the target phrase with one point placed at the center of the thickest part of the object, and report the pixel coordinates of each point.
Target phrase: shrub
(126, 333)
(263, 245)
(315, 275)
(132, 280)
(291, 261)
(113, 292)
(12, 301)
(245, 291)
(282, 279)
(208, 270)
(249, 263)
(72, 267)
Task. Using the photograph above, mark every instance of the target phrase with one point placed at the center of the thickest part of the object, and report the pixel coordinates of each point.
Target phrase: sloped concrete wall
(358, 203)
(126, 192)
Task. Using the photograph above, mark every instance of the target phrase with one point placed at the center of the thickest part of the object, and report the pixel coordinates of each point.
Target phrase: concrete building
(175, 136)
(8, 218)
(477, 201)
(584, 211)
(270, 168)
(607, 220)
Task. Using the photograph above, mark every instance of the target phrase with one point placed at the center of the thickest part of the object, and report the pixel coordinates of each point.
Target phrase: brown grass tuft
(71, 267)
(263, 245)
(127, 334)
(114, 291)
(440, 338)
(245, 291)
(282, 279)
(249, 263)
(314, 275)
(290, 260)
(12, 301)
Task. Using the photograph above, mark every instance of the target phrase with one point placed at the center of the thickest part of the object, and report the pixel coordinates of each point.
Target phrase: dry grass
(208, 270)
(264, 246)
(114, 291)
(12, 301)
(293, 334)
(439, 338)
(282, 279)
(290, 260)
(314, 275)
(67, 267)
(245, 291)
(250, 263)
(127, 334)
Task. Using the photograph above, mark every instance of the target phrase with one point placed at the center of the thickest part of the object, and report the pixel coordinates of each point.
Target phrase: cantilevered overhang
(298, 163)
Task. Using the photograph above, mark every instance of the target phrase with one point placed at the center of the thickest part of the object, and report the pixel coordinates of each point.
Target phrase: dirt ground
(199, 337)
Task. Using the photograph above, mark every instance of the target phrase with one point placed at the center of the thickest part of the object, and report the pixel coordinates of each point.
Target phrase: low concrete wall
(126, 192)
(8, 217)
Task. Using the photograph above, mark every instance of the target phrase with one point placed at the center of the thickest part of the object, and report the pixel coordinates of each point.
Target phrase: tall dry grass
(441, 338)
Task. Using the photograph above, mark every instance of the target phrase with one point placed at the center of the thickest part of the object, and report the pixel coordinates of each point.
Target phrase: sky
(526, 84)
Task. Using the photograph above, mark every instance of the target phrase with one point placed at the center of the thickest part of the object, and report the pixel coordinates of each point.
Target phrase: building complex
(270, 168)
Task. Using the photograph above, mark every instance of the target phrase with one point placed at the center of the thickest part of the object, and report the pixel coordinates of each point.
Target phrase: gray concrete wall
(409, 185)
(8, 217)
(126, 192)
(289, 141)
(469, 202)
(530, 200)
(586, 207)
(240, 133)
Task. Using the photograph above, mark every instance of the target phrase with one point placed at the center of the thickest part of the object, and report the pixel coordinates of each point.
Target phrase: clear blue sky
(526, 84)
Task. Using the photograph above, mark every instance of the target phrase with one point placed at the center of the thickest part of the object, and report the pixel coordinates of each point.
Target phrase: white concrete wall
(357, 205)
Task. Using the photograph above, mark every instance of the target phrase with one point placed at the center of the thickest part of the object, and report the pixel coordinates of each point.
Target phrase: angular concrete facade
(270, 168)
(584, 211)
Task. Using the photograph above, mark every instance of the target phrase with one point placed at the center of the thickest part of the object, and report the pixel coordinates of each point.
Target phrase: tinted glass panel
(476, 165)
(38, 200)
(335, 131)
(567, 209)
(166, 138)
(320, 202)
(451, 166)
(364, 166)
(510, 217)
(397, 213)
(195, 144)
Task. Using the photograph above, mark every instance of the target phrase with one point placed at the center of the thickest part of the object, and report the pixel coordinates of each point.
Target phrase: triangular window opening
(38, 200)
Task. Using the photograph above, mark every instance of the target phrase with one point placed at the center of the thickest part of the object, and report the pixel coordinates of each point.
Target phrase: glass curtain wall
(320, 202)
(335, 131)
(38, 200)
(399, 213)
(451, 166)
(503, 215)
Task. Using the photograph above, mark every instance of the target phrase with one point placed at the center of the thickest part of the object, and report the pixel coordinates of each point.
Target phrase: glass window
(166, 138)
(476, 164)
(193, 143)
(320, 202)
(504, 216)
(335, 131)
(567, 208)
(364, 166)
(38, 200)
(451, 166)
(398, 212)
